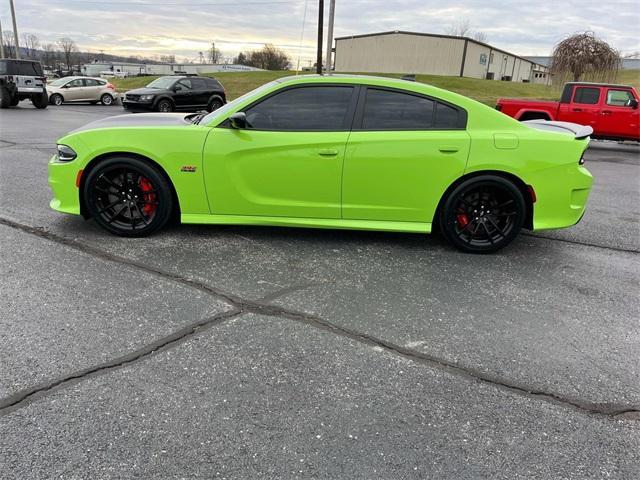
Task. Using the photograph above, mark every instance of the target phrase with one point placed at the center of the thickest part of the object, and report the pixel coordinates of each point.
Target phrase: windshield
(233, 104)
(59, 82)
(162, 82)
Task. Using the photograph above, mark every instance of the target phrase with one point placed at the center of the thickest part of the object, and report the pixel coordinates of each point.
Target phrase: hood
(147, 91)
(138, 120)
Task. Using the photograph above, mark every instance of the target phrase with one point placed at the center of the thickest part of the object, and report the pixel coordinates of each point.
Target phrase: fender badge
(188, 168)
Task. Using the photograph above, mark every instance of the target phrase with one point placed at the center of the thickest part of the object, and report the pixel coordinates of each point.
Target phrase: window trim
(359, 117)
(349, 116)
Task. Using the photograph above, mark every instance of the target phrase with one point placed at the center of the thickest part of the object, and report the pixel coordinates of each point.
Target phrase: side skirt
(338, 223)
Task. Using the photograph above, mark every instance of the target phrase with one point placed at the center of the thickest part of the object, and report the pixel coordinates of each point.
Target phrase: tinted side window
(307, 108)
(90, 82)
(76, 83)
(198, 84)
(213, 83)
(446, 117)
(587, 95)
(185, 83)
(386, 110)
(3, 67)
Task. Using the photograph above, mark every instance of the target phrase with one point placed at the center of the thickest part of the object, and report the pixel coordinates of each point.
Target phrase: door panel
(400, 175)
(617, 117)
(274, 173)
(584, 107)
(74, 92)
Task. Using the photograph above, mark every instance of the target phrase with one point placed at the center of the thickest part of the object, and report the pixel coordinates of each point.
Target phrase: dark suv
(166, 94)
(21, 79)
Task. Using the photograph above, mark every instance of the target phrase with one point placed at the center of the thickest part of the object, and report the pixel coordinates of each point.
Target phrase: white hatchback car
(81, 89)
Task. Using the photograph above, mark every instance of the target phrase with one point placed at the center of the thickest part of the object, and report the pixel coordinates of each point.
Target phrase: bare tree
(583, 56)
(8, 42)
(31, 44)
(480, 37)
(241, 59)
(461, 28)
(49, 55)
(68, 48)
(267, 58)
(214, 54)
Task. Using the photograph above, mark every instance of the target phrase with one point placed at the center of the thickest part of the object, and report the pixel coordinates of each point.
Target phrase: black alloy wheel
(483, 214)
(128, 197)
(214, 104)
(165, 106)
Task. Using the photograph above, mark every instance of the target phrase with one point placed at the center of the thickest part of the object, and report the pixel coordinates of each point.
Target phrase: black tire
(128, 197)
(40, 101)
(56, 99)
(164, 105)
(106, 99)
(214, 104)
(482, 214)
(5, 97)
(15, 101)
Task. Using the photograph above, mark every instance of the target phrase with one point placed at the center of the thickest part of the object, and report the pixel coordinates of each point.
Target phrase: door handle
(577, 109)
(607, 112)
(448, 148)
(328, 152)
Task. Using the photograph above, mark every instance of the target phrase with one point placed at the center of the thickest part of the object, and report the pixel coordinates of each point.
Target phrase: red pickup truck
(611, 110)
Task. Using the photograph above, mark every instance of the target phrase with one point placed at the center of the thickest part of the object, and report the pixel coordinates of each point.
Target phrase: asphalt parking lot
(242, 352)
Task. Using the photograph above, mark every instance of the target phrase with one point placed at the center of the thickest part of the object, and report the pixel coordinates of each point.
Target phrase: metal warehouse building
(410, 52)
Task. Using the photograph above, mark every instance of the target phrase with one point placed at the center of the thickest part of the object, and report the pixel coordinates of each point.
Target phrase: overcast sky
(183, 27)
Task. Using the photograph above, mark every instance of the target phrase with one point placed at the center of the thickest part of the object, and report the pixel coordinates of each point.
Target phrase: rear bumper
(562, 195)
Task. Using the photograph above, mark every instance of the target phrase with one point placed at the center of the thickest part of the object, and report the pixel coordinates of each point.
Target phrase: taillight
(110, 86)
(499, 107)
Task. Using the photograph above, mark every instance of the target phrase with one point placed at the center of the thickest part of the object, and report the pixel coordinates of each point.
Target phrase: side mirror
(177, 88)
(633, 103)
(239, 120)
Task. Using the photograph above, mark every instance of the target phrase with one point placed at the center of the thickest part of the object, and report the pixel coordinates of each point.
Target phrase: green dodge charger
(340, 151)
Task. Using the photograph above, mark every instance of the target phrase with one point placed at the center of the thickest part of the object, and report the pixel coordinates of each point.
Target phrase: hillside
(485, 91)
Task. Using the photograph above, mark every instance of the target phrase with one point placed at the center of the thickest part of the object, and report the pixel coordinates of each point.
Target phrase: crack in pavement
(243, 306)
(584, 244)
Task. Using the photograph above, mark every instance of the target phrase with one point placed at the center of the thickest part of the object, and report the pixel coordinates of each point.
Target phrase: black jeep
(22, 79)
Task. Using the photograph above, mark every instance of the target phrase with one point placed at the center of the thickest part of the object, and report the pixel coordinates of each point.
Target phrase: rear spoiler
(578, 131)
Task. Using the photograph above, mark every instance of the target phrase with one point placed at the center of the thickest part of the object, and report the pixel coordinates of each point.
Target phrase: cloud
(184, 28)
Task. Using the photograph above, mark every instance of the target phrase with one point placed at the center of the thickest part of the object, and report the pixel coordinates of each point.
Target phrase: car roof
(361, 79)
(598, 84)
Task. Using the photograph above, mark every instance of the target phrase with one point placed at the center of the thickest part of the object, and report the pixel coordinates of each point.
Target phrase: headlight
(146, 98)
(66, 154)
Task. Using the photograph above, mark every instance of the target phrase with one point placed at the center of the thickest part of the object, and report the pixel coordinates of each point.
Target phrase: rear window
(32, 69)
(587, 95)
(213, 83)
(198, 84)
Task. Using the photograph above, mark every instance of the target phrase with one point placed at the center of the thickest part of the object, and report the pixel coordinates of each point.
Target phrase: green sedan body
(337, 151)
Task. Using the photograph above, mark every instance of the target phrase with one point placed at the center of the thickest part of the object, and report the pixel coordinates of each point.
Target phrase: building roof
(436, 35)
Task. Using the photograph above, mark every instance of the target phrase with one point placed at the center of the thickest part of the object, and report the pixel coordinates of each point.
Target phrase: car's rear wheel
(483, 214)
(56, 99)
(128, 197)
(164, 106)
(214, 104)
(15, 101)
(106, 99)
(40, 101)
(5, 97)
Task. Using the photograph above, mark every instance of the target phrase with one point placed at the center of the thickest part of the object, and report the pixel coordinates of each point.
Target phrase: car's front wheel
(164, 106)
(128, 197)
(482, 214)
(106, 99)
(56, 99)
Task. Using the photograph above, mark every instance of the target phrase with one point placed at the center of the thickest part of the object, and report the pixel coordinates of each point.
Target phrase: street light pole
(320, 23)
(15, 29)
(1, 41)
(332, 11)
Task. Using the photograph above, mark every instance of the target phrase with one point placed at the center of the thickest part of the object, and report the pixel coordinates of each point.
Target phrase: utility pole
(15, 29)
(320, 23)
(332, 11)
(1, 41)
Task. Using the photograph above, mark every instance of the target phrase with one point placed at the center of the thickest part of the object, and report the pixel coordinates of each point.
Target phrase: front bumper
(62, 181)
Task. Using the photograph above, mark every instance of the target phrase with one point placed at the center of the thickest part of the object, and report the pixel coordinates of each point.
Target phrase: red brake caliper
(147, 186)
(463, 220)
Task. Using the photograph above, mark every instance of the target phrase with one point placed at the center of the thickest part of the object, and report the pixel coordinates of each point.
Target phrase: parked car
(348, 151)
(611, 110)
(81, 89)
(20, 80)
(166, 94)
